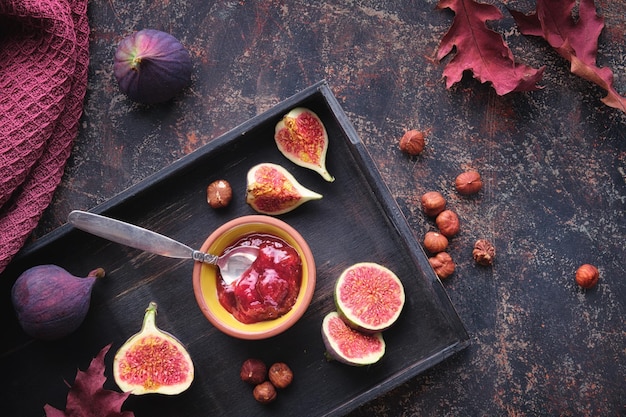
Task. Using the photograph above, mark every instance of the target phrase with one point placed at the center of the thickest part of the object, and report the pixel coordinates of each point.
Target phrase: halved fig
(369, 297)
(273, 190)
(302, 138)
(153, 361)
(350, 346)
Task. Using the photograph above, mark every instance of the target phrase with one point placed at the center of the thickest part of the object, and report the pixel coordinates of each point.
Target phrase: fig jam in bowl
(272, 295)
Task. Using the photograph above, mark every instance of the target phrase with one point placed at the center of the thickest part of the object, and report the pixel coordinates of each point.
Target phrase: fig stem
(97, 273)
(149, 319)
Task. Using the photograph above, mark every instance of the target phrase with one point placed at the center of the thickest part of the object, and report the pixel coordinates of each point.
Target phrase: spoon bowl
(231, 264)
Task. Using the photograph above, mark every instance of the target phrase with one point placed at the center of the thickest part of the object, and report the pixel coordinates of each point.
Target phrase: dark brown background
(553, 161)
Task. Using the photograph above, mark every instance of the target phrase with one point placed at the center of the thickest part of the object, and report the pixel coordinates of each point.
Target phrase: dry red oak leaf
(574, 39)
(88, 398)
(482, 50)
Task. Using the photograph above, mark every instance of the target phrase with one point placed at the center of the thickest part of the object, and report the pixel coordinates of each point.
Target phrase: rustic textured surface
(553, 161)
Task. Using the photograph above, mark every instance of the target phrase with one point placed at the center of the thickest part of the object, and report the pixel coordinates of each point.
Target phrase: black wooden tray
(357, 220)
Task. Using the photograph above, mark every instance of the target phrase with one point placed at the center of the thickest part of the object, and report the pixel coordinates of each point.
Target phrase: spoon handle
(130, 235)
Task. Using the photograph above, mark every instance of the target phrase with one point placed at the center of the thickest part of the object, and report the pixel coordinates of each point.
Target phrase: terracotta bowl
(205, 277)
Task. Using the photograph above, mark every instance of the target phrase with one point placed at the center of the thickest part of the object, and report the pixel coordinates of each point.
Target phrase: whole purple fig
(151, 66)
(50, 302)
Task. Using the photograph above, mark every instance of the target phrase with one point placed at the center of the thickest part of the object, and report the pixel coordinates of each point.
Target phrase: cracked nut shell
(219, 193)
(484, 252)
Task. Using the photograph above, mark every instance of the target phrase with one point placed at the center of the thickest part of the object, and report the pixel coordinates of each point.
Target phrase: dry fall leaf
(482, 50)
(88, 398)
(574, 39)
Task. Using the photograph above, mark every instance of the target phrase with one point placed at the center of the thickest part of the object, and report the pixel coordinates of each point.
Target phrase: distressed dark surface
(553, 162)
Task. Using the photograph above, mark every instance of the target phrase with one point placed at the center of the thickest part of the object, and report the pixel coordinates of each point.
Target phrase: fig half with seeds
(151, 66)
(301, 137)
(273, 190)
(153, 361)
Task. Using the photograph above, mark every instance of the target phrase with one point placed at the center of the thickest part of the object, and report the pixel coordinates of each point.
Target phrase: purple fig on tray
(50, 302)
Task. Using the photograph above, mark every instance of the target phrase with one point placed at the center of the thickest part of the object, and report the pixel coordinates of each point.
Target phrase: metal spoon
(232, 264)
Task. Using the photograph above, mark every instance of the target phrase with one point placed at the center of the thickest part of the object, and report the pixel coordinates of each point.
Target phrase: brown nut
(442, 264)
(219, 193)
(253, 371)
(280, 375)
(448, 223)
(264, 392)
(587, 276)
(468, 183)
(435, 242)
(412, 142)
(433, 203)
(484, 252)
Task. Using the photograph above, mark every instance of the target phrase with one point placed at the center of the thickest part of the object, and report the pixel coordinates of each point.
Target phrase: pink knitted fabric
(44, 55)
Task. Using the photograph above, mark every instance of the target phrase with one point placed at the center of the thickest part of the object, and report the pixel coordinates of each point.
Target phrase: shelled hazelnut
(448, 223)
(442, 264)
(433, 203)
(412, 142)
(435, 242)
(253, 371)
(280, 375)
(264, 392)
(468, 183)
(587, 276)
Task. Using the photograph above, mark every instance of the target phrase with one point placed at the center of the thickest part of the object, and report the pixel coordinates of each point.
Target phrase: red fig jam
(269, 288)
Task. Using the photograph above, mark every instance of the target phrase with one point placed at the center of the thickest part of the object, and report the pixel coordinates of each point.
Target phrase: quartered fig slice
(152, 361)
(347, 345)
(369, 297)
(302, 138)
(273, 190)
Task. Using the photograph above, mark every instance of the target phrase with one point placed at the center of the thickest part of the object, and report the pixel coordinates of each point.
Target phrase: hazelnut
(448, 223)
(435, 242)
(587, 276)
(433, 203)
(264, 392)
(442, 264)
(219, 193)
(484, 252)
(468, 183)
(280, 375)
(253, 371)
(412, 142)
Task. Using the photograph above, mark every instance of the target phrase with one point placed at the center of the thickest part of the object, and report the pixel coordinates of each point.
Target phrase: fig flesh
(152, 361)
(51, 303)
(347, 345)
(273, 190)
(151, 66)
(369, 297)
(302, 138)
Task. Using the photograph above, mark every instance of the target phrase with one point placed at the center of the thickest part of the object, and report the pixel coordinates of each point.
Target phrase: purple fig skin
(151, 66)
(50, 302)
